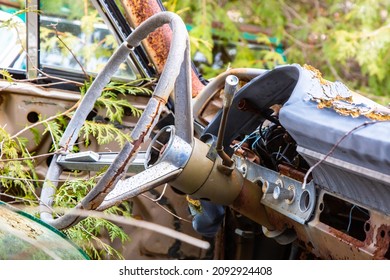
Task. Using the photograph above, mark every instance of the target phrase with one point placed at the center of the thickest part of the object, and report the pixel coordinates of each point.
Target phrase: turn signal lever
(231, 86)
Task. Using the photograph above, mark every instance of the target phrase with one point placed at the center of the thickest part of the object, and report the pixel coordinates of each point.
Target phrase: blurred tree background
(346, 40)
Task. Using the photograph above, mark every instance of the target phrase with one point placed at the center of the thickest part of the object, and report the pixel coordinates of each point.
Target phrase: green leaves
(17, 166)
(348, 40)
(104, 133)
(345, 45)
(216, 39)
(202, 24)
(14, 176)
(55, 129)
(6, 75)
(90, 233)
(114, 105)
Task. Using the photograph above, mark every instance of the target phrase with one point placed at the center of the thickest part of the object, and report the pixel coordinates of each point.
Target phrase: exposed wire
(268, 141)
(256, 141)
(279, 156)
(167, 210)
(246, 138)
(350, 218)
(350, 215)
(162, 194)
(333, 149)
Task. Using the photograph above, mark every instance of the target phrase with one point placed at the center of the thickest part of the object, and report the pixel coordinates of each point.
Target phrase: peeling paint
(336, 96)
(20, 224)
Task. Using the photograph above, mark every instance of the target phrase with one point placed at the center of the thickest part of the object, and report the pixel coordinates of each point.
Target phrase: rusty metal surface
(9, 3)
(326, 242)
(248, 203)
(380, 229)
(291, 172)
(157, 44)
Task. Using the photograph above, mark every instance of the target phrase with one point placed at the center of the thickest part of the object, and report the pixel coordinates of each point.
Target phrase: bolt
(282, 193)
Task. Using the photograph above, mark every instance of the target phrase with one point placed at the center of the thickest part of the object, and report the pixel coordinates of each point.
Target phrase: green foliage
(104, 133)
(55, 129)
(346, 40)
(203, 20)
(6, 75)
(87, 43)
(17, 168)
(66, 8)
(14, 175)
(89, 232)
(115, 106)
(215, 35)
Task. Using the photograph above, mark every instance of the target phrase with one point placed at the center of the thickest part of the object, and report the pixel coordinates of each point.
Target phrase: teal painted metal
(22, 236)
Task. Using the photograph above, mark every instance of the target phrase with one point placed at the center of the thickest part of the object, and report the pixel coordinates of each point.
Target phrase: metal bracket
(91, 161)
(32, 38)
(282, 193)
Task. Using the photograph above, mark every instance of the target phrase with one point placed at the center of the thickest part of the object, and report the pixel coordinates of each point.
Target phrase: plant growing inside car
(20, 183)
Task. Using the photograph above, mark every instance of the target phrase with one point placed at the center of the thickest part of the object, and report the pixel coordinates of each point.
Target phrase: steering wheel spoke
(140, 183)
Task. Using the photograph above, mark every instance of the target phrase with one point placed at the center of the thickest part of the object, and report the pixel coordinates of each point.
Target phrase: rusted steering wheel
(111, 189)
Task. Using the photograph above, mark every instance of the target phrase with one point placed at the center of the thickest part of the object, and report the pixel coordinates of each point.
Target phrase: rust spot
(317, 73)
(382, 241)
(247, 153)
(346, 238)
(157, 44)
(352, 110)
(346, 105)
(20, 224)
(95, 202)
(279, 221)
(291, 172)
(197, 85)
(248, 204)
(369, 233)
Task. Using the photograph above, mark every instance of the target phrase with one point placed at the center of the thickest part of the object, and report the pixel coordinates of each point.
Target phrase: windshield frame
(117, 25)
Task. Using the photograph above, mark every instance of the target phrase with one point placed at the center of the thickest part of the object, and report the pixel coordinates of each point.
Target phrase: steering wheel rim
(176, 77)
